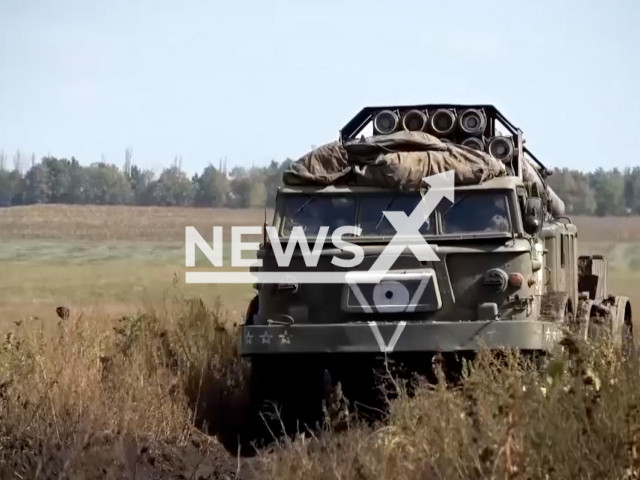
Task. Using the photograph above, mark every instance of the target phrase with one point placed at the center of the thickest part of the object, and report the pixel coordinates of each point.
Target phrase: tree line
(601, 192)
(62, 180)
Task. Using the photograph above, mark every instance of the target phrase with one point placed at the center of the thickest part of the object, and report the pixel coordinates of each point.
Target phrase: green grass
(117, 259)
(116, 276)
(624, 266)
(110, 276)
(623, 257)
(78, 252)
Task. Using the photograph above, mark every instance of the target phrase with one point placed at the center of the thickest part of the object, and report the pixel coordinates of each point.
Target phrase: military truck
(508, 272)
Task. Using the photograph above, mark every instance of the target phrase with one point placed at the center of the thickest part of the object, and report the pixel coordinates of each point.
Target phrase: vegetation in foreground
(97, 397)
(117, 400)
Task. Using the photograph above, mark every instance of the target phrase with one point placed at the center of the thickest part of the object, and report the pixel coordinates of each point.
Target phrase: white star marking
(552, 335)
(285, 338)
(266, 338)
(248, 337)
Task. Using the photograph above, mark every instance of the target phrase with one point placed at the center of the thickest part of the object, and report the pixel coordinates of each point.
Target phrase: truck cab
(484, 270)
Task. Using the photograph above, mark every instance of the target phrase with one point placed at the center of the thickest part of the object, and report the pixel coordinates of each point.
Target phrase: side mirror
(533, 215)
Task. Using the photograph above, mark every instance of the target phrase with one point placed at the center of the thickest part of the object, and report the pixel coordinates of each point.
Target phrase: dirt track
(105, 457)
(188, 462)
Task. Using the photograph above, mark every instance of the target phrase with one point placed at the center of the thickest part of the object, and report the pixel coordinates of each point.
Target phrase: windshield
(373, 221)
(314, 211)
(474, 212)
(471, 212)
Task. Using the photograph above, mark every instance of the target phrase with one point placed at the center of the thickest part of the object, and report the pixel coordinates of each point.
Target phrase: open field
(105, 259)
(113, 259)
(121, 388)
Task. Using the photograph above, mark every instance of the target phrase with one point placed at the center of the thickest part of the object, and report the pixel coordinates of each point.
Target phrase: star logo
(549, 335)
(285, 338)
(247, 338)
(266, 338)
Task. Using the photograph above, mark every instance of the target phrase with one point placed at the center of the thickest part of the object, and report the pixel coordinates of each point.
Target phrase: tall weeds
(95, 394)
(508, 419)
(102, 399)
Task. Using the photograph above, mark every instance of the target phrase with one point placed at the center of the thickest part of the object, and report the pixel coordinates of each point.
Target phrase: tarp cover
(398, 161)
(531, 174)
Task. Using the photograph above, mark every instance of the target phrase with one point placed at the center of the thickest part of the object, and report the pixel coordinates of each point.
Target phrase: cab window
(314, 211)
(475, 212)
(374, 222)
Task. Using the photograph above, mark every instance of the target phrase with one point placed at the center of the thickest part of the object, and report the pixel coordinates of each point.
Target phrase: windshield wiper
(458, 202)
(393, 199)
(303, 206)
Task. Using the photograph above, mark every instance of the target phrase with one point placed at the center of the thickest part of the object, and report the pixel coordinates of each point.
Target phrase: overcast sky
(254, 81)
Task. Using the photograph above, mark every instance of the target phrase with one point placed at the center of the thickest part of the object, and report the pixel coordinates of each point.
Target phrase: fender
(624, 324)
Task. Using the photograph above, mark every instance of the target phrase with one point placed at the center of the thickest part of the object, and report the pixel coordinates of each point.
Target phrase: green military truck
(507, 273)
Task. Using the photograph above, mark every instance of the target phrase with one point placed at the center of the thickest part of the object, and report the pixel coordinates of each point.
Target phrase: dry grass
(578, 419)
(105, 223)
(108, 223)
(109, 391)
(103, 400)
(91, 399)
(100, 289)
(608, 229)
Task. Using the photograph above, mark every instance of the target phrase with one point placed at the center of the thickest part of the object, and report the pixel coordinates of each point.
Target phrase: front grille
(406, 291)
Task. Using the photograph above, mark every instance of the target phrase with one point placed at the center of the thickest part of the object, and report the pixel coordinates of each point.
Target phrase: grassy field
(105, 259)
(110, 260)
(111, 390)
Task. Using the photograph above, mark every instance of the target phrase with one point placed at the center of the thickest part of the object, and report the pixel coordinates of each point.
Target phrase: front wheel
(279, 396)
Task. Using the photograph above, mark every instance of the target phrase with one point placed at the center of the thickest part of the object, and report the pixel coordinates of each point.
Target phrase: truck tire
(279, 396)
(623, 326)
(239, 429)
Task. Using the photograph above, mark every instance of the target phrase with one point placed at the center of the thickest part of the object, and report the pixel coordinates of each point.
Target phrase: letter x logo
(408, 227)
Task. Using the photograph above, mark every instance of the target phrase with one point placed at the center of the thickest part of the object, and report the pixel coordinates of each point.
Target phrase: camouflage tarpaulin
(398, 161)
(530, 174)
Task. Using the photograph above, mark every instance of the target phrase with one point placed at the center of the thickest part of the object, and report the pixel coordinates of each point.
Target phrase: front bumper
(376, 337)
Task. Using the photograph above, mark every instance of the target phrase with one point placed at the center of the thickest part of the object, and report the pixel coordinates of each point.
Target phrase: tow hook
(520, 303)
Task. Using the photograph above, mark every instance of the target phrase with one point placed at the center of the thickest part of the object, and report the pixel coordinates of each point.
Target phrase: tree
(106, 185)
(173, 188)
(609, 190)
(37, 185)
(6, 188)
(211, 188)
(141, 181)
